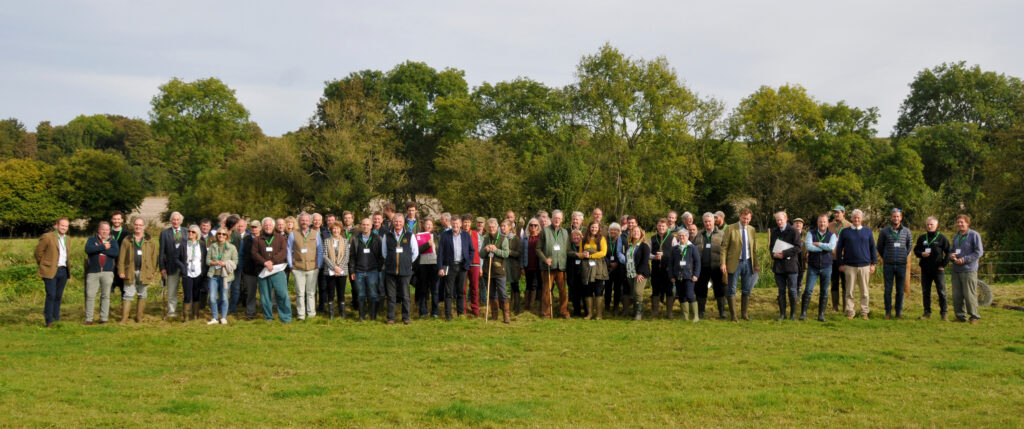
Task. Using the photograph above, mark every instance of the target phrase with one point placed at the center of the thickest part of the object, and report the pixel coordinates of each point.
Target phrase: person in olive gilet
(552, 250)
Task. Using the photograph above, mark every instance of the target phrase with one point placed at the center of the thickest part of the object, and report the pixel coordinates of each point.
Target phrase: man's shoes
(925, 316)
(391, 322)
(864, 316)
(974, 321)
(87, 323)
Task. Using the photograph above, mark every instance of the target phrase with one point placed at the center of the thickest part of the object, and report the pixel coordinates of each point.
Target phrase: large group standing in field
(593, 266)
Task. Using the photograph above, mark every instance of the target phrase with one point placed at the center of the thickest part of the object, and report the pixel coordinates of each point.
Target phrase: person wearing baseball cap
(838, 279)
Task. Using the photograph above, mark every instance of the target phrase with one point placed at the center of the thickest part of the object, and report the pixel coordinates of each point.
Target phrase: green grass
(534, 373)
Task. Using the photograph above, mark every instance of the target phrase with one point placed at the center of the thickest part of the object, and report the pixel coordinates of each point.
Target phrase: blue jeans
(236, 290)
(279, 284)
(746, 271)
(54, 294)
(894, 274)
(813, 274)
(366, 286)
(218, 297)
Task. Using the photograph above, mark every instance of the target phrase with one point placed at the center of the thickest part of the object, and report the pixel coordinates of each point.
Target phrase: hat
(480, 219)
(839, 209)
(799, 219)
(720, 213)
(254, 223)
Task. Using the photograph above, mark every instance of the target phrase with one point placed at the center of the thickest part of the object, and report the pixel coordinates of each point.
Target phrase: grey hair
(687, 215)
(178, 214)
(447, 217)
(318, 215)
(781, 212)
(557, 212)
(268, 219)
(720, 214)
(931, 218)
(708, 215)
(856, 212)
(492, 221)
(577, 215)
(615, 225)
(303, 214)
(195, 228)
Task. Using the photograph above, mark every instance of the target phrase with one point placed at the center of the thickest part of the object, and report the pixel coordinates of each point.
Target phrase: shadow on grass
(494, 412)
(307, 391)
(185, 408)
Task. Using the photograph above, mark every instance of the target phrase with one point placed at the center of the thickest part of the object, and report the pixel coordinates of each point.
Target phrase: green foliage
(952, 155)
(97, 183)
(202, 122)
(954, 92)
(29, 200)
(477, 176)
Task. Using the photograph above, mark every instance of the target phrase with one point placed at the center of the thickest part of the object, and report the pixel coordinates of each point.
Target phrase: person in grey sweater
(894, 246)
(967, 250)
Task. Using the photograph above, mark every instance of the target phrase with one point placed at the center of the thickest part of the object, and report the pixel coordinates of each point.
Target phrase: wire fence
(995, 266)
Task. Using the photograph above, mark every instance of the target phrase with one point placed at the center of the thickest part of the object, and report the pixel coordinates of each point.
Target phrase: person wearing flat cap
(839, 223)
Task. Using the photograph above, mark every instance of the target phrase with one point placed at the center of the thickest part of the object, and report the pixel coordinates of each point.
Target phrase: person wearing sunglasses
(894, 245)
(222, 258)
(195, 266)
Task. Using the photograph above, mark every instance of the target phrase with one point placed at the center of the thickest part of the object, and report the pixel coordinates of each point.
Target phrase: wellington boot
(140, 310)
(638, 311)
(529, 301)
(792, 306)
(696, 314)
(600, 308)
(195, 310)
(668, 307)
(494, 310)
(373, 311)
(720, 302)
(330, 310)
(627, 305)
(186, 313)
(804, 303)
(654, 306)
(701, 304)
(686, 308)
(517, 301)
(732, 306)
(126, 309)
(590, 307)
(744, 303)
(506, 318)
(341, 310)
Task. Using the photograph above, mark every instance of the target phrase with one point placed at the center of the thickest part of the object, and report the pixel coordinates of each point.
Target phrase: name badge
(927, 250)
(303, 250)
(399, 250)
(177, 245)
(957, 251)
(707, 246)
(895, 245)
(593, 264)
(556, 247)
(682, 263)
(269, 249)
(138, 252)
(366, 251)
(578, 261)
(490, 255)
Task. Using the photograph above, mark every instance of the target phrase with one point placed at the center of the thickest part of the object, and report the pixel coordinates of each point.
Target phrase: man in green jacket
(551, 250)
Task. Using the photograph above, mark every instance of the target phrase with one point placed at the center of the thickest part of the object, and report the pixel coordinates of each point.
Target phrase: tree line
(626, 135)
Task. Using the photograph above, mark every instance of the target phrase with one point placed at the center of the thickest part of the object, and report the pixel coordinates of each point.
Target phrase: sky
(61, 59)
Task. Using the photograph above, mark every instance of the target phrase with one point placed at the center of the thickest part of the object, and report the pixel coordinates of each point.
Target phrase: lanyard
(400, 237)
(662, 242)
(959, 239)
(220, 252)
(62, 241)
(495, 241)
(117, 237)
(269, 241)
(305, 236)
(348, 235)
(366, 242)
(686, 248)
(927, 242)
(896, 234)
(821, 235)
(139, 243)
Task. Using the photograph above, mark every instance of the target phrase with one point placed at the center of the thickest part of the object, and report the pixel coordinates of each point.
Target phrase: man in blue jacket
(455, 253)
(102, 253)
(894, 245)
(967, 250)
(856, 253)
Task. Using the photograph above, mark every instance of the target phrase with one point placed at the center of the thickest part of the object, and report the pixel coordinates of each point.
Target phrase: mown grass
(550, 373)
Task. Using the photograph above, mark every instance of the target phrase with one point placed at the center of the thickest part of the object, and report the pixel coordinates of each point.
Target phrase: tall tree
(98, 183)
(29, 199)
(203, 122)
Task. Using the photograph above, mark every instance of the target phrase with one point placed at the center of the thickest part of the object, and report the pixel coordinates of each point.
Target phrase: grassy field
(611, 373)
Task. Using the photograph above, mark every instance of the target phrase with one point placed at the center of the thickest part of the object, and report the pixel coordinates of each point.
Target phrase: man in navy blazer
(172, 259)
(455, 253)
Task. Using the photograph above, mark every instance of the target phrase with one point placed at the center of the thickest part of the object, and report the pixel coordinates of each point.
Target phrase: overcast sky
(61, 59)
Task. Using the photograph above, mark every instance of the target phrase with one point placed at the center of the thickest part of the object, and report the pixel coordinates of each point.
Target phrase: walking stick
(487, 312)
(163, 292)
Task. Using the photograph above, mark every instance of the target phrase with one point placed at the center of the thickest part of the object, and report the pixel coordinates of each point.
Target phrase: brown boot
(600, 308)
(140, 310)
(654, 306)
(494, 310)
(185, 308)
(627, 305)
(744, 303)
(504, 313)
(195, 310)
(590, 307)
(732, 308)
(126, 309)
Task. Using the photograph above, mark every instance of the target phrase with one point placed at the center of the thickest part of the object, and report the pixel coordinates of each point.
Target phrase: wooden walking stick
(163, 286)
(487, 311)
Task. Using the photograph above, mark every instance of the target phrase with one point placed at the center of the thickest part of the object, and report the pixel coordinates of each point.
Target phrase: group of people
(594, 266)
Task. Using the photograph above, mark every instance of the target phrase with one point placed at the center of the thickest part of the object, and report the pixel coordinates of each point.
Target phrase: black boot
(341, 312)
(361, 309)
(701, 304)
(720, 301)
(744, 302)
(330, 310)
(822, 304)
(637, 311)
(792, 306)
(781, 300)
(806, 301)
(373, 311)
